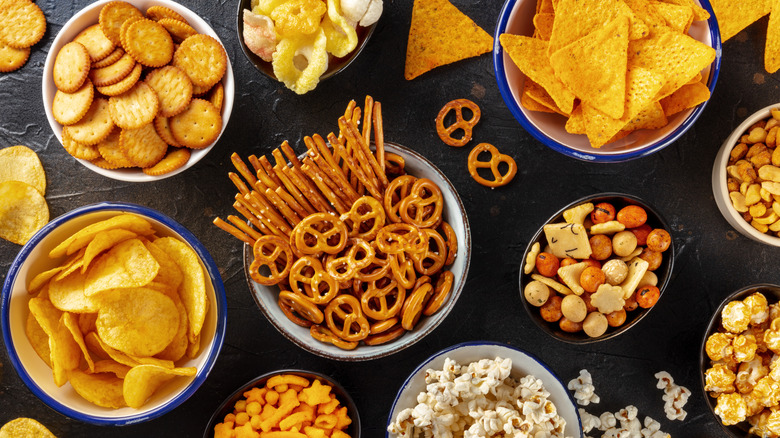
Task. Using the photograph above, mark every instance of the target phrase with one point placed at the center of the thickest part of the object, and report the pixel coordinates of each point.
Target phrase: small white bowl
(454, 213)
(523, 363)
(89, 16)
(33, 259)
(516, 18)
(719, 177)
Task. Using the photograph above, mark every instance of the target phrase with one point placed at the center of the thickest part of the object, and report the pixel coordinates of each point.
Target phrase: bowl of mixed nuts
(746, 177)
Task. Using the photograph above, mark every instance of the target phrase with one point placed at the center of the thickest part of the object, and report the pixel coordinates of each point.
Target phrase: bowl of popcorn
(596, 267)
(514, 391)
(739, 362)
(282, 402)
(139, 90)
(113, 314)
(303, 42)
(746, 177)
(600, 85)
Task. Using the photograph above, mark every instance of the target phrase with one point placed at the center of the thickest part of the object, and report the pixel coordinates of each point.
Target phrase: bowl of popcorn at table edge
(113, 314)
(435, 393)
(345, 275)
(605, 81)
(746, 177)
(738, 360)
(596, 267)
(137, 91)
(301, 42)
(312, 402)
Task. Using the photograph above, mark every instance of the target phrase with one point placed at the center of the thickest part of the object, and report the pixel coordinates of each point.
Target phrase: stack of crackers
(139, 90)
(22, 24)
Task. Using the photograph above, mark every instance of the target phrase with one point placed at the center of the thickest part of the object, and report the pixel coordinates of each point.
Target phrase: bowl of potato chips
(113, 314)
(139, 90)
(603, 81)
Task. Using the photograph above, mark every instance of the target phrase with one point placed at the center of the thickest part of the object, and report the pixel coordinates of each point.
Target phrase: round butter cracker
(173, 88)
(174, 159)
(198, 126)
(125, 84)
(179, 30)
(69, 108)
(111, 152)
(79, 150)
(163, 129)
(135, 108)
(148, 43)
(142, 146)
(158, 13)
(96, 42)
(23, 23)
(94, 126)
(12, 59)
(111, 74)
(203, 59)
(110, 59)
(113, 15)
(71, 67)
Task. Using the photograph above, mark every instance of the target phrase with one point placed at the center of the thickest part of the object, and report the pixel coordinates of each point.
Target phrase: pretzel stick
(308, 189)
(368, 110)
(269, 171)
(326, 186)
(269, 212)
(241, 225)
(334, 172)
(253, 161)
(233, 231)
(296, 169)
(291, 216)
(379, 136)
(254, 220)
(259, 215)
(239, 183)
(290, 200)
(242, 169)
(325, 151)
(364, 156)
(355, 167)
(348, 114)
(293, 190)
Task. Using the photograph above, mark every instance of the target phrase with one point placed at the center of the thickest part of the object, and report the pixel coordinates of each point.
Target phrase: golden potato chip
(733, 16)
(12, 59)
(113, 15)
(198, 126)
(134, 108)
(594, 67)
(202, 58)
(169, 274)
(71, 323)
(94, 126)
(20, 163)
(25, 428)
(149, 43)
(193, 289)
(772, 47)
(38, 339)
(46, 315)
(687, 96)
(74, 262)
(71, 67)
(143, 380)
(69, 108)
(65, 352)
(128, 264)
(441, 34)
(103, 241)
(105, 351)
(177, 348)
(96, 42)
(23, 211)
(23, 23)
(104, 389)
(87, 322)
(142, 322)
(194, 348)
(68, 294)
(111, 366)
(81, 238)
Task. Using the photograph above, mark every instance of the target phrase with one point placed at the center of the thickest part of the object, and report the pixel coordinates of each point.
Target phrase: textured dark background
(712, 260)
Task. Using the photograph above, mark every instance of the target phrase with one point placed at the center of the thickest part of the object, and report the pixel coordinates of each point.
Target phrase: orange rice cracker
(733, 16)
(110, 59)
(111, 152)
(135, 108)
(113, 15)
(123, 85)
(69, 108)
(202, 58)
(94, 126)
(163, 129)
(594, 67)
(158, 13)
(217, 96)
(12, 59)
(174, 159)
(96, 42)
(71, 67)
(173, 88)
(530, 56)
(148, 43)
(23, 23)
(142, 146)
(198, 126)
(179, 30)
(79, 150)
(441, 34)
(111, 74)
(772, 47)
(687, 96)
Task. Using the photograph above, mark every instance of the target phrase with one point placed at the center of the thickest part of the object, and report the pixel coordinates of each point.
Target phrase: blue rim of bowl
(219, 292)
(740, 429)
(579, 337)
(514, 106)
(342, 394)
(433, 357)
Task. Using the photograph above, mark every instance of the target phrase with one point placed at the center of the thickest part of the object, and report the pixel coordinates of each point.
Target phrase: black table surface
(713, 260)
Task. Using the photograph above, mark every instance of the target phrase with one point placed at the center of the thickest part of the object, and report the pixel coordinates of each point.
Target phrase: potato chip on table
(23, 209)
(25, 428)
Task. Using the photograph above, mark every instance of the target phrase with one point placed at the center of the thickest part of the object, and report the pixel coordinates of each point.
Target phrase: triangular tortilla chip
(688, 96)
(541, 96)
(544, 6)
(594, 67)
(543, 23)
(530, 56)
(531, 104)
(644, 10)
(651, 117)
(772, 48)
(441, 34)
(699, 13)
(576, 122)
(733, 16)
(677, 17)
(576, 18)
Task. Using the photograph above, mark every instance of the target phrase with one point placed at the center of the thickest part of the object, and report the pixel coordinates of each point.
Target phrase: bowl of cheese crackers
(137, 91)
(113, 314)
(606, 80)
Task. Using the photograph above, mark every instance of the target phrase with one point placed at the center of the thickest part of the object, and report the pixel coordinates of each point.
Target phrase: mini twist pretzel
(272, 252)
(398, 189)
(383, 299)
(367, 217)
(298, 304)
(345, 319)
(395, 238)
(440, 293)
(402, 268)
(394, 164)
(384, 337)
(384, 325)
(323, 334)
(416, 209)
(445, 133)
(318, 285)
(359, 255)
(433, 258)
(452, 242)
(413, 306)
(378, 267)
(496, 158)
(326, 232)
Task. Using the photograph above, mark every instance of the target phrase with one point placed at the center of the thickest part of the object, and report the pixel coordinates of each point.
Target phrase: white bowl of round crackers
(126, 79)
